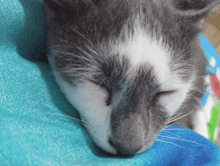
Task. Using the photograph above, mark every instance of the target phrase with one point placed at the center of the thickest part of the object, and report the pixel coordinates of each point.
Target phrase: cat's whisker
(184, 140)
(75, 119)
(166, 127)
(175, 116)
(159, 140)
(83, 123)
(174, 129)
(196, 99)
(172, 120)
(202, 92)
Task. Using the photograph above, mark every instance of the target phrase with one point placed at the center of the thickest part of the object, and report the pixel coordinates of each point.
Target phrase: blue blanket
(36, 124)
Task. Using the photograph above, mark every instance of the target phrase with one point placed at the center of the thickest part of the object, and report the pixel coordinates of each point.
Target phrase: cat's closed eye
(164, 93)
(108, 99)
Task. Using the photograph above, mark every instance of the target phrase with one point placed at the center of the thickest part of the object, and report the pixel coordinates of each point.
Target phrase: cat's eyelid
(109, 98)
(164, 93)
(99, 84)
(167, 92)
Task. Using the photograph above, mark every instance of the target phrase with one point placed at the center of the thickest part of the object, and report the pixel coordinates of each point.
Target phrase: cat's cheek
(172, 102)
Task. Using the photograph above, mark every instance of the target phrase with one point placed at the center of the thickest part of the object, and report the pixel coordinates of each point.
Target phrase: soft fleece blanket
(36, 127)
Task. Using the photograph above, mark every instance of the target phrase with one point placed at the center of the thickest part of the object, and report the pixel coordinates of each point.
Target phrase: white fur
(143, 49)
(208, 108)
(89, 99)
(173, 101)
(202, 116)
(199, 123)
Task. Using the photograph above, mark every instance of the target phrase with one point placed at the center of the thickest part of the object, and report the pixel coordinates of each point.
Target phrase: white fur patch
(208, 108)
(200, 123)
(142, 49)
(172, 102)
(90, 101)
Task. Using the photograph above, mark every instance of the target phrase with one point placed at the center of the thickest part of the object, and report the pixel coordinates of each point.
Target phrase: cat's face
(126, 65)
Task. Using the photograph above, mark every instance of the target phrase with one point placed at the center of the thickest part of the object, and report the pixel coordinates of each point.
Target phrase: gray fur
(81, 33)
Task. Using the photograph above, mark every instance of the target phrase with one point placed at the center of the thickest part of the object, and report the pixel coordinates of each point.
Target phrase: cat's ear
(192, 7)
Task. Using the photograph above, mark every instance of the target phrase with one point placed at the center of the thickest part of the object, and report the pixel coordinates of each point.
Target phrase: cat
(130, 67)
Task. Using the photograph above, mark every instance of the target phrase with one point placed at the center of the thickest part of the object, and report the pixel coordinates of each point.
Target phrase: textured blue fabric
(34, 126)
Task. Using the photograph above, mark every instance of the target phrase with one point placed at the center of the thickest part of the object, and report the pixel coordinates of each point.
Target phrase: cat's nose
(125, 149)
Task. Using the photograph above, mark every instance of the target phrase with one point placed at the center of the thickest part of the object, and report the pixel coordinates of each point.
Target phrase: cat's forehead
(137, 31)
(148, 52)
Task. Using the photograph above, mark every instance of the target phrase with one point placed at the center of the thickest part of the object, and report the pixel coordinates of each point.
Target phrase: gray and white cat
(130, 67)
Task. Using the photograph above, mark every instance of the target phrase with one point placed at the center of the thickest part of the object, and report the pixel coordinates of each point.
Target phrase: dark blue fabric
(183, 147)
(34, 126)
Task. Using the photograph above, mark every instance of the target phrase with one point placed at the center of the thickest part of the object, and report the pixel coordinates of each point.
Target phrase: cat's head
(126, 65)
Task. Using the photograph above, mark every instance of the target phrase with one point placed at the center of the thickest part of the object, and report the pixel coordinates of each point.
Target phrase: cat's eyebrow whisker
(77, 55)
(70, 71)
(159, 140)
(175, 119)
(92, 50)
(86, 53)
(83, 36)
(184, 140)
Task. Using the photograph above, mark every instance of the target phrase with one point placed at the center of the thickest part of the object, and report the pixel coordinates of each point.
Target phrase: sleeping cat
(130, 67)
